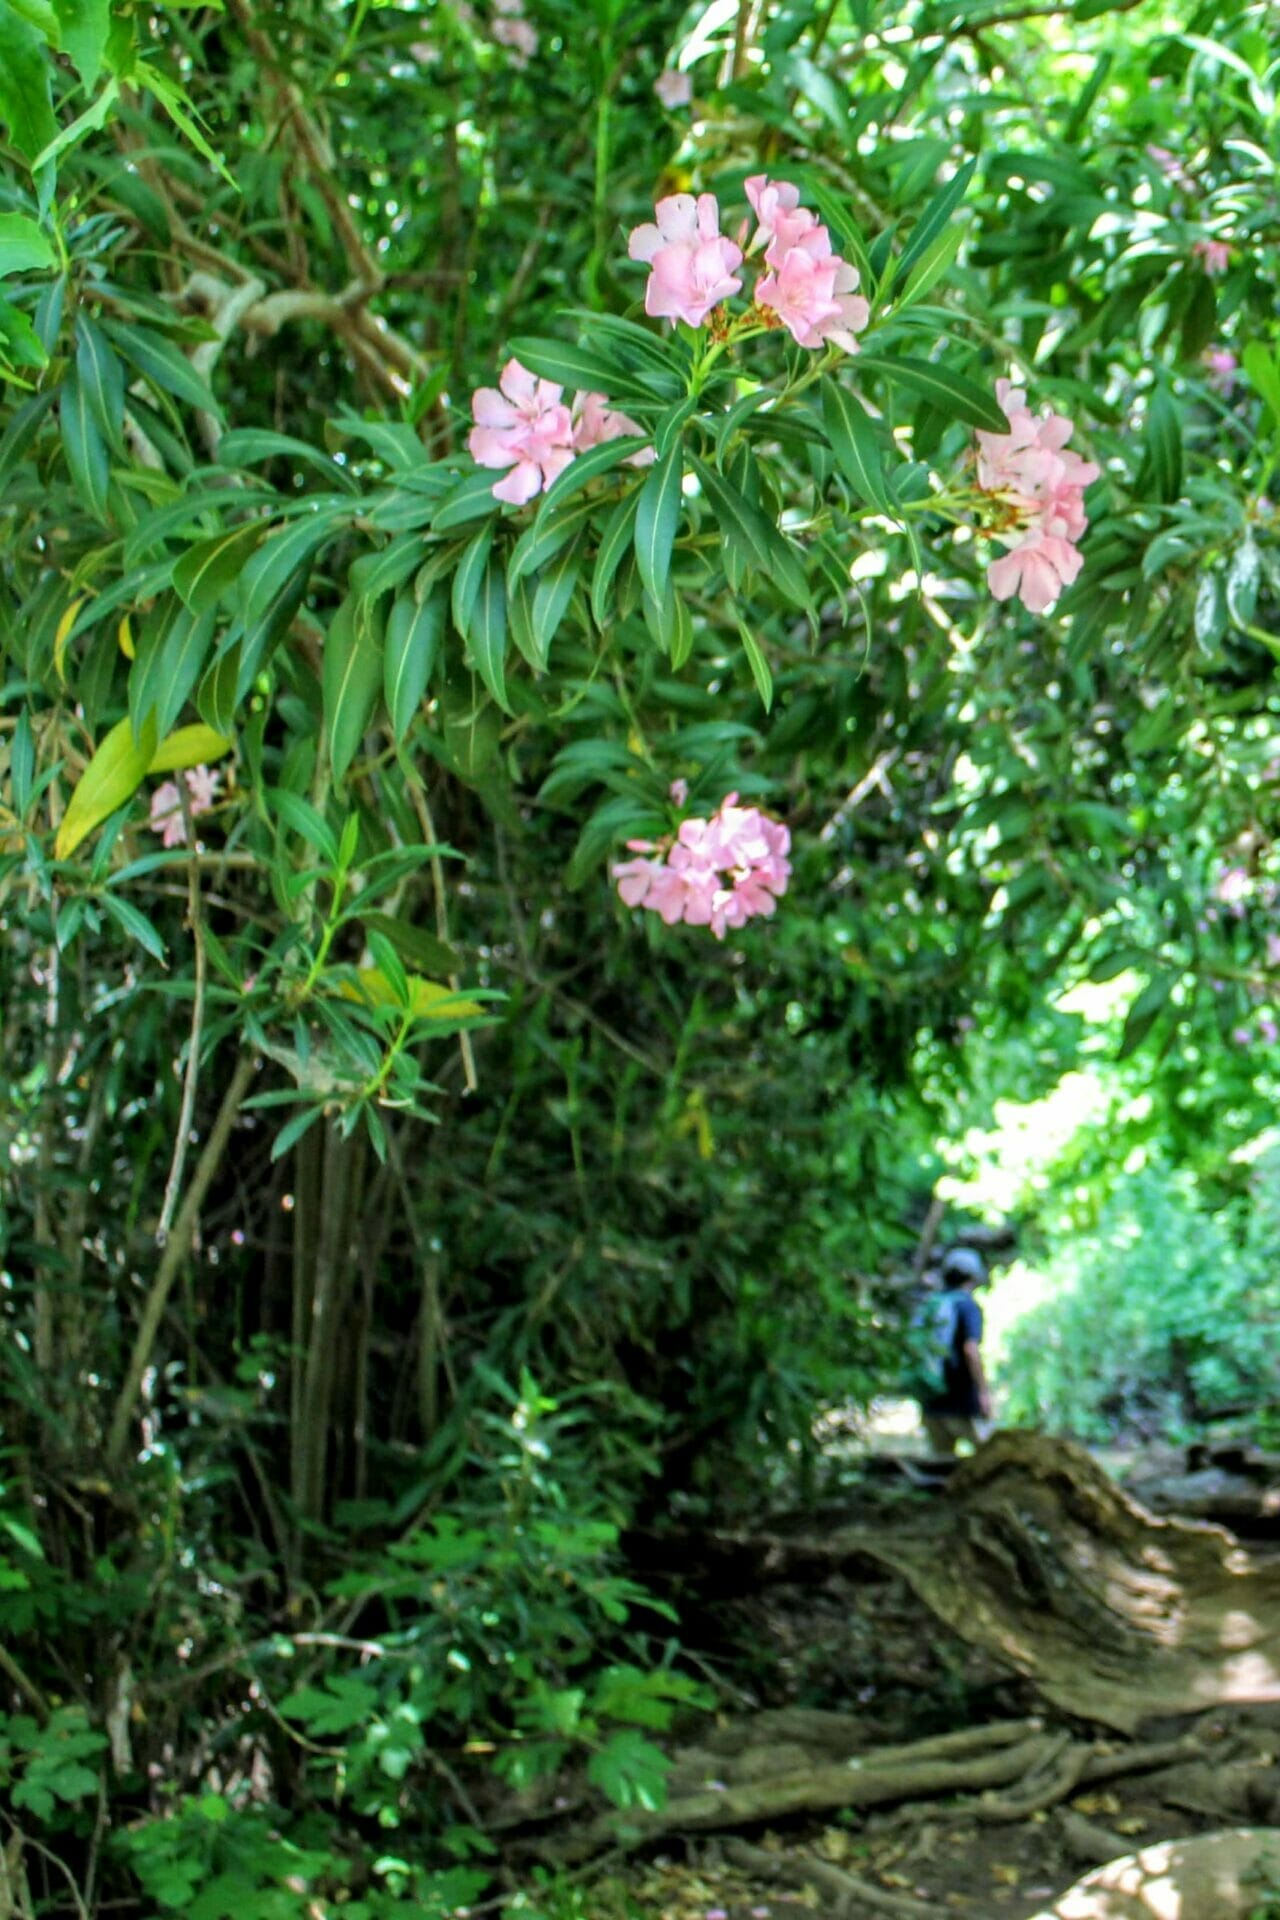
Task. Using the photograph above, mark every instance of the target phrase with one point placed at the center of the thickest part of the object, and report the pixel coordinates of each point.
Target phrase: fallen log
(846, 1893)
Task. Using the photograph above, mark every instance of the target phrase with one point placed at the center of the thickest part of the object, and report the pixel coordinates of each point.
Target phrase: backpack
(931, 1343)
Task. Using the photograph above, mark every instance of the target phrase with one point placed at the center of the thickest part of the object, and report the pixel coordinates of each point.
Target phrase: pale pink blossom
(519, 36)
(1232, 886)
(595, 421)
(693, 267)
(1221, 366)
(782, 223)
(812, 291)
(526, 427)
(167, 818)
(718, 872)
(673, 88)
(1214, 255)
(678, 791)
(1241, 1036)
(1036, 569)
(1041, 483)
(1273, 949)
(1267, 1028)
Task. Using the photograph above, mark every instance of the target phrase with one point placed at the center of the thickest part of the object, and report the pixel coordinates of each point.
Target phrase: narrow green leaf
(1263, 368)
(467, 580)
(351, 678)
(852, 440)
(285, 553)
(614, 544)
(162, 363)
(471, 499)
(580, 367)
(83, 444)
(936, 217)
(658, 519)
(952, 393)
(588, 466)
(763, 544)
(413, 639)
(135, 924)
(551, 599)
(757, 660)
(545, 538)
(204, 574)
(305, 820)
(180, 664)
(249, 446)
(488, 636)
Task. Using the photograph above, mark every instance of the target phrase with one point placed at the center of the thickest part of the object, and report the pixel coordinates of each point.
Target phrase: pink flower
(524, 427)
(1032, 471)
(782, 222)
(1241, 1036)
(718, 872)
(1267, 1028)
(692, 266)
(1273, 949)
(673, 88)
(1036, 569)
(519, 36)
(1232, 886)
(1213, 255)
(1221, 364)
(595, 421)
(812, 292)
(167, 818)
(678, 792)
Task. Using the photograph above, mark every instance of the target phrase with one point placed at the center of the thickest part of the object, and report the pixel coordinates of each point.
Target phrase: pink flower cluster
(511, 30)
(524, 425)
(807, 287)
(716, 873)
(1214, 255)
(167, 817)
(1042, 485)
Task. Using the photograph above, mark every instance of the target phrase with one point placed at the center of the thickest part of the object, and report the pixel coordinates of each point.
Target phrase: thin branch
(172, 1257)
(191, 1078)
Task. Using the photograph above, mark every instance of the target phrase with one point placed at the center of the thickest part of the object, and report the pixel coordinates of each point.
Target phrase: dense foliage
(395, 1215)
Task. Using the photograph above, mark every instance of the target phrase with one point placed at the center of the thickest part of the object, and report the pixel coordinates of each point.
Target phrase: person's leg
(943, 1430)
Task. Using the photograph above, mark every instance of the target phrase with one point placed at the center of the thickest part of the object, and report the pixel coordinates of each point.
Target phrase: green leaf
(84, 26)
(351, 678)
(467, 580)
(545, 538)
(193, 746)
(279, 558)
(162, 363)
(180, 664)
(23, 248)
(614, 543)
(1145, 1011)
(933, 263)
(247, 446)
(413, 639)
(26, 105)
(207, 570)
(580, 367)
(83, 444)
(936, 217)
(218, 694)
(377, 573)
(422, 950)
(181, 111)
(762, 544)
(135, 924)
(551, 599)
(588, 466)
(471, 499)
(952, 393)
(1163, 436)
(658, 519)
(304, 819)
(1263, 368)
(101, 377)
(630, 1771)
(757, 660)
(112, 777)
(488, 636)
(852, 440)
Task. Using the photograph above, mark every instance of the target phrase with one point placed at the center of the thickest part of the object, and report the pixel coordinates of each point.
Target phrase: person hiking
(960, 1393)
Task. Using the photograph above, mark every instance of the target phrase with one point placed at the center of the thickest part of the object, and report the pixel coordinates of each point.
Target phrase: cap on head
(963, 1263)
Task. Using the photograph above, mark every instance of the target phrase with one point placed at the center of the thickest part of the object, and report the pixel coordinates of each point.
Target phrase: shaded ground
(1060, 1634)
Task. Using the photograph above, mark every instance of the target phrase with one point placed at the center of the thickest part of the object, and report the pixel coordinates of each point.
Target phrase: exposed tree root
(847, 1893)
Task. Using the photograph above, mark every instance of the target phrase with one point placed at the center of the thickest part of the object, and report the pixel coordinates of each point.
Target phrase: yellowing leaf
(430, 1000)
(125, 637)
(192, 746)
(65, 625)
(111, 777)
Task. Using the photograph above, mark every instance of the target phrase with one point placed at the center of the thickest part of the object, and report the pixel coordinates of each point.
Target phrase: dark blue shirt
(960, 1395)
